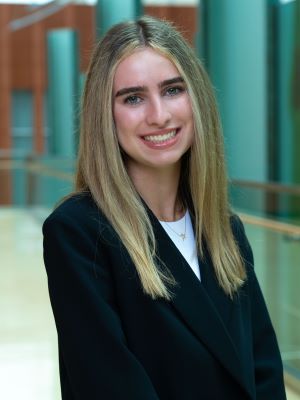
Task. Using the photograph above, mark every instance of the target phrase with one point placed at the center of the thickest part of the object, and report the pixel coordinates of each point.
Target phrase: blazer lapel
(193, 302)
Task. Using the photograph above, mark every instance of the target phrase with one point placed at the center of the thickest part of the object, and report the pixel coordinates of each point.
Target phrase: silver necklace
(182, 235)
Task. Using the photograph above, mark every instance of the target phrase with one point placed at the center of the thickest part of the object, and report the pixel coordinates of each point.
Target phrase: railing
(291, 231)
(271, 187)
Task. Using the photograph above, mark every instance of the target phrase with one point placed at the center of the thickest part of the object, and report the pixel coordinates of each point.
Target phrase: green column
(235, 55)
(63, 94)
(237, 63)
(110, 12)
(212, 43)
(295, 99)
(285, 95)
(200, 41)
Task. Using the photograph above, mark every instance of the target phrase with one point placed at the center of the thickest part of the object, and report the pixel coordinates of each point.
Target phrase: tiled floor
(28, 356)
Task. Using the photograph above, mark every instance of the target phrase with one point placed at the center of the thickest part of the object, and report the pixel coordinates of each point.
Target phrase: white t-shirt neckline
(187, 247)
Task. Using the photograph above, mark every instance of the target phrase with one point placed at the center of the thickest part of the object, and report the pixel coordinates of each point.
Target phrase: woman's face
(152, 110)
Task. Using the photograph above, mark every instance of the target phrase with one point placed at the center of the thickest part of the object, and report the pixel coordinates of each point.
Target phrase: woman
(150, 276)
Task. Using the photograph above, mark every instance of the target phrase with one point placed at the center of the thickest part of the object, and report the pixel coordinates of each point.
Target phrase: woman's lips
(162, 139)
(159, 138)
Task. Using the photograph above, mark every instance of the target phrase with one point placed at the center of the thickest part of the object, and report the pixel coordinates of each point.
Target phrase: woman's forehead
(144, 66)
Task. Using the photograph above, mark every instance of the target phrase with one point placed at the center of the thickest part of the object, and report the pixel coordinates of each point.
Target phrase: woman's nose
(158, 113)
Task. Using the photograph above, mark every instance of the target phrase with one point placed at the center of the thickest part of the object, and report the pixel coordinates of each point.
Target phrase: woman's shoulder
(78, 209)
(77, 205)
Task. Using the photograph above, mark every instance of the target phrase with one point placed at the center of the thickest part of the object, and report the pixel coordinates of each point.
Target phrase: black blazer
(116, 343)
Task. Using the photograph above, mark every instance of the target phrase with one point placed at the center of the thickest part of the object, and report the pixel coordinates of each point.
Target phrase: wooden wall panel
(25, 43)
(5, 187)
(5, 79)
(38, 71)
(5, 104)
(21, 56)
(85, 20)
(28, 57)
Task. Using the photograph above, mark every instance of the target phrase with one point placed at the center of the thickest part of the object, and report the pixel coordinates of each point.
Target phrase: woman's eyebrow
(167, 82)
(135, 89)
(132, 89)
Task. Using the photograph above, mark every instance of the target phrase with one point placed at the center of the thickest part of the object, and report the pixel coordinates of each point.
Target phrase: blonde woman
(150, 276)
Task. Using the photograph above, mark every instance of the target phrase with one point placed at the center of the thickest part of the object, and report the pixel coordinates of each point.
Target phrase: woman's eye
(172, 91)
(133, 99)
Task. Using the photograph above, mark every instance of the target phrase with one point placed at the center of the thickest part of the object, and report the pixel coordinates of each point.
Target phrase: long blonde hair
(102, 172)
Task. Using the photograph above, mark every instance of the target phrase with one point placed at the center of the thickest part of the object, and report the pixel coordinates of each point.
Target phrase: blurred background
(251, 49)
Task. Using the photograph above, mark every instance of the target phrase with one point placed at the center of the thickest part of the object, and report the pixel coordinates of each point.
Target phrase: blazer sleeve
(96, 359)
(267, 360)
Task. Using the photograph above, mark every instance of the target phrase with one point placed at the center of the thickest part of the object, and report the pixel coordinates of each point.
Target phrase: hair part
(101, 170)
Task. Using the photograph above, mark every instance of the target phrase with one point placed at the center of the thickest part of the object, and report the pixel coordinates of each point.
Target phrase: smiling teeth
(160, 138)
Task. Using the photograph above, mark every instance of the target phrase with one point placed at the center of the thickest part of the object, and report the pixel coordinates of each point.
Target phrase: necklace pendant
(182, 235)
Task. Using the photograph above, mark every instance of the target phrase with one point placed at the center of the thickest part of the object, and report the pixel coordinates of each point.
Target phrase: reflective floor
(28, 359)
(28, 354)
(277, 265)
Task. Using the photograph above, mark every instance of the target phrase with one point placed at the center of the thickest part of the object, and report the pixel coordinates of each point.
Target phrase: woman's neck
(159, 189)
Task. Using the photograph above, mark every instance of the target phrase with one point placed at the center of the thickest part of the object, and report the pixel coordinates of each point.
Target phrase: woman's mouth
(157, 139)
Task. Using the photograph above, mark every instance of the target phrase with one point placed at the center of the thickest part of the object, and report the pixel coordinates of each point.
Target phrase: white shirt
(182, 234)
